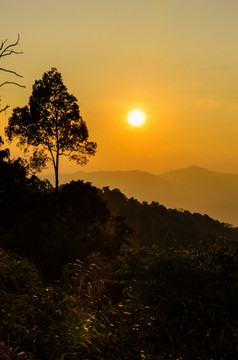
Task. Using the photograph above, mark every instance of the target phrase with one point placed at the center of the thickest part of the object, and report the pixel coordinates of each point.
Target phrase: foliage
(51, 125)
(29, 203)
(154, 224)
(174, 304)
(19, 200)
(66, 320)
(17, 275)
(19, 280)
(180, 304)
(15, 188)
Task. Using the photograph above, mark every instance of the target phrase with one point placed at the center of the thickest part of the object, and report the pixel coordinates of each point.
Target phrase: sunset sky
(176, 60)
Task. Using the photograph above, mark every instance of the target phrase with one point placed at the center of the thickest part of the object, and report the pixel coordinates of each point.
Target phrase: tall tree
(51, 125)
(7, 49)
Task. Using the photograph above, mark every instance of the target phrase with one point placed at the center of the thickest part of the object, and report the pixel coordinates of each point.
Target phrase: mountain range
(194, 189)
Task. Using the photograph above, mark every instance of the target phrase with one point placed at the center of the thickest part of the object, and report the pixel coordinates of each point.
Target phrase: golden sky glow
(176, 60)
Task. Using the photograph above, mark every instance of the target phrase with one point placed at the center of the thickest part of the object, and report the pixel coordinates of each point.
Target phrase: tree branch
(50, 159)
(11, 71)
(7, 106)
(12, 83)
(52, 156)
(6, 51)
(3, 42)
(10, 52)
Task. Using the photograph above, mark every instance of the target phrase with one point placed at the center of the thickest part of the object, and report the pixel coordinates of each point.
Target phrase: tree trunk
(57, 197)
(57, 176)
(56, 179)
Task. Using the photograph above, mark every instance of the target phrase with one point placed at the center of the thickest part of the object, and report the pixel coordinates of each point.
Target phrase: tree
(51, 125)
(7, 50)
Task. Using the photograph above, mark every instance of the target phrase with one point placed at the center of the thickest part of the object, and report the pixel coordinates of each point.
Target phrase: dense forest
(104, 286)
(90, 274)
(154, 224)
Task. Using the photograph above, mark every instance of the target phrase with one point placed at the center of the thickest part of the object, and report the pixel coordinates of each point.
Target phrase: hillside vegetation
(194, 189)
(118, 280)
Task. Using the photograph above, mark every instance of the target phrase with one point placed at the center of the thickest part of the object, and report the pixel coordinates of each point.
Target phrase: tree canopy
(51, 125)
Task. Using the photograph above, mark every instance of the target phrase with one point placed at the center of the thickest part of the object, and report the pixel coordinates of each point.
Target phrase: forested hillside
(194, 189)
(117, 280)
(154, 224)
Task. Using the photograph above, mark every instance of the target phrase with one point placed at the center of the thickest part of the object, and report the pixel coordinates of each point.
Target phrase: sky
(177, 60)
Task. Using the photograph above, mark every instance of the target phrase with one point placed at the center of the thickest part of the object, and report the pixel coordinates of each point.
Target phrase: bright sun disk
(136, 117)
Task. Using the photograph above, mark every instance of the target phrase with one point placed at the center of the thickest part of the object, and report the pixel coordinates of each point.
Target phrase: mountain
(195, 189)
(204, 191)
(154, 224)
(142, 185)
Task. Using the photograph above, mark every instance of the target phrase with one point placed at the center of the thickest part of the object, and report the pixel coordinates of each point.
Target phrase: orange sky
(176, 60)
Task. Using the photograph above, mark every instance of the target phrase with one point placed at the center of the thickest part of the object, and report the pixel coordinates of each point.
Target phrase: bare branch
(3, 42)
(8, 50)
(11, 71)
(12, 83)
(7, 106)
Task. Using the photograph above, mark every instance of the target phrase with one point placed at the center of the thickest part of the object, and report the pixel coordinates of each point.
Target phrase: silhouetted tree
(51, 125)
(7, 50)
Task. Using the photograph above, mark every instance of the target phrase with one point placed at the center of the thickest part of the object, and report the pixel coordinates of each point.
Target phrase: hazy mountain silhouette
(195, 189)
(207, 191)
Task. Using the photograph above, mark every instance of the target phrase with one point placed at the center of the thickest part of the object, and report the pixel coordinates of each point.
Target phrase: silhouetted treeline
(154, 224)
(94, 289)
(91, 220)
(28, 222)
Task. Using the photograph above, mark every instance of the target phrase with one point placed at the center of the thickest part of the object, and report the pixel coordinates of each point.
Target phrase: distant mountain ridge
(194, 188)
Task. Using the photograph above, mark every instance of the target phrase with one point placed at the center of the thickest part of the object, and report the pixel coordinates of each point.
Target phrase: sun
(136, 117)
